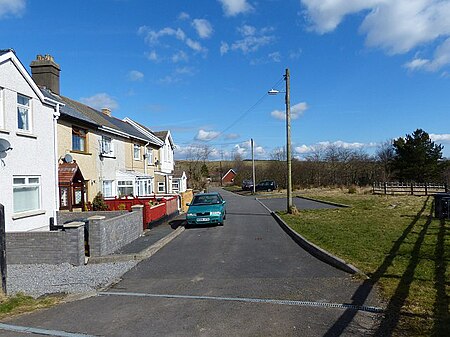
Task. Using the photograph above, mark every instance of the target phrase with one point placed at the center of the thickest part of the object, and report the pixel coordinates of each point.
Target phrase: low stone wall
(47, 247)
(65, 217)
(108, 235)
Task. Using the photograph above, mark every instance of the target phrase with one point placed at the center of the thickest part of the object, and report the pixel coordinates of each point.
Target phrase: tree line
(413, 158)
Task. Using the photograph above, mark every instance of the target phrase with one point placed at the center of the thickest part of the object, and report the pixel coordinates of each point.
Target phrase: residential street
(219, 281)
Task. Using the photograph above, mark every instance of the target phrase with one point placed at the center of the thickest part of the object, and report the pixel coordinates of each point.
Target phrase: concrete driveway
(247, 278)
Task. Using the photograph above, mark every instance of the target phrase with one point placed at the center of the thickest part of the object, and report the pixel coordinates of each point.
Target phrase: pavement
(148, 243)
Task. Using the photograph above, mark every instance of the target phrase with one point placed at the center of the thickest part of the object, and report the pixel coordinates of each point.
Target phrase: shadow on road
(177, 223)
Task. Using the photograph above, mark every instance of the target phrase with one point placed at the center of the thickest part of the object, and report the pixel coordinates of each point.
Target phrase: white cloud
(224, 48)
(180, 56)
(12, 7)
(252, 39)
(203, 27)
(183, 16)
(396, 26)
(195, 45)
(135, 75)
(320, 146)
(440, 60)
(152, 37)
(232, 136)
(203, 135)
(235, 7)
(438, 138)
(153, 56)
(296, 111)
(100, 101)
(275, 57)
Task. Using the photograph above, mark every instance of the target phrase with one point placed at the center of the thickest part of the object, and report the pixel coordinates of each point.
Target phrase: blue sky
(362, 72)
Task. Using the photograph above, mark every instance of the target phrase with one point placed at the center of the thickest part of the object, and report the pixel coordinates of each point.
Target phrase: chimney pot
(107, 111)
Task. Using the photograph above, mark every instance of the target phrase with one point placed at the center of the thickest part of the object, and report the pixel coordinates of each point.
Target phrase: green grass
(13, 305)
(397, 243)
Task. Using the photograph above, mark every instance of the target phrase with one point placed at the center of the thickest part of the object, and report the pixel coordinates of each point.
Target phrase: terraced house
(65, 152)
(115, 157)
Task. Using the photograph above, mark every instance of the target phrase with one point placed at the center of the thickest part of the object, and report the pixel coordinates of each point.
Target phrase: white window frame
(161, 187)
(27, 184)
(149, 157)
(107, 146)
(111, 188)
(125, 184)
(28, 109)
(136, 152)
(176, 186)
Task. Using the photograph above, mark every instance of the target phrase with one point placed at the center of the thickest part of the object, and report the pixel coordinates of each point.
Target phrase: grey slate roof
(68, 110)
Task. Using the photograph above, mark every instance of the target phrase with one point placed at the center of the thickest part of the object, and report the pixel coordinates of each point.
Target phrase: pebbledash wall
(106, 235)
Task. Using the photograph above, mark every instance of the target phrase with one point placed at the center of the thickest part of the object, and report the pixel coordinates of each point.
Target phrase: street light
(288, 137)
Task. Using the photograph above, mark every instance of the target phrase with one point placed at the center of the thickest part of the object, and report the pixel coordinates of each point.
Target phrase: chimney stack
(45, 72)
(107, 111)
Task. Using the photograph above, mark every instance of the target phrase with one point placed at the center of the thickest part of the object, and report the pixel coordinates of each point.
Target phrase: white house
(28, 172)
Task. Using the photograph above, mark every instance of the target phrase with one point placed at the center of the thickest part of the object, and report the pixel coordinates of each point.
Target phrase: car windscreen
(205, 200)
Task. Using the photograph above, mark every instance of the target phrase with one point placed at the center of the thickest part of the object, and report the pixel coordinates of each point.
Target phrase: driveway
(247, 278)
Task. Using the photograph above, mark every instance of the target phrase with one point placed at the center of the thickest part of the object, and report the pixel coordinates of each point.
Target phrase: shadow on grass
(393, 310)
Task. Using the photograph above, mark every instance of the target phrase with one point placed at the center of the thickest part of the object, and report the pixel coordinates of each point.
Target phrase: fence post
(2, 248)
(412, 189)
(426, 188)
(385, 187)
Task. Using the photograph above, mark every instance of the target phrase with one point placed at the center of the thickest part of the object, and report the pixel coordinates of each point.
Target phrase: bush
(98, 204)
(352, 189)
(121, 207)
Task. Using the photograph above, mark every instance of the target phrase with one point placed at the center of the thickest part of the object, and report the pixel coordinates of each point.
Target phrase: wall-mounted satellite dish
(4, 145)
(68, 158)
(2, 154)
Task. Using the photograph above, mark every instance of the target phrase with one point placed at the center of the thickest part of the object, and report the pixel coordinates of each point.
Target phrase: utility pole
(288, 141)
(253, 167)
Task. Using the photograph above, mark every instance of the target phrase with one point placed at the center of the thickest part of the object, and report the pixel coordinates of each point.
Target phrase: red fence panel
(164, 206)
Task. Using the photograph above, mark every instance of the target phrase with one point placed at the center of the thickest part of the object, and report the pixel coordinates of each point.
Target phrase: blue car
(206, 208)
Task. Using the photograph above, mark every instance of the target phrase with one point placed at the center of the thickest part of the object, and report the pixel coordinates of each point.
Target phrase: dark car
(247, 185)
(266, 185)
(206, 208)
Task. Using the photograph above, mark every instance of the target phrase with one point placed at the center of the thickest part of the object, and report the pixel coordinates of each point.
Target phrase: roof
(178, 174)
(4, 51)
(67, 172)
(67, 110)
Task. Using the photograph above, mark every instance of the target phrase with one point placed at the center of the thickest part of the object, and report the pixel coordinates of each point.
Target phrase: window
(26, 194)
(23, 112)
(107, 146)
(64, 196)
(107, 188)
(149, 157)
(175, 186)
(125, 187)
(161, 187)
(137, 152)
(78, 139)
(144, 187)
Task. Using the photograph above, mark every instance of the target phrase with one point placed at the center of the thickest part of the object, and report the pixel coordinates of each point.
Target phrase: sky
(362, 72)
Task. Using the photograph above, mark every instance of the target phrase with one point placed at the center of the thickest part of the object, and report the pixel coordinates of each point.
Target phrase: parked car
(266, 185)
(206, 208)
(247, 185)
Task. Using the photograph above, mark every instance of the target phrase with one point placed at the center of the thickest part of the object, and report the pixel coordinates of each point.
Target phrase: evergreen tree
(417, 158)
(204, 171)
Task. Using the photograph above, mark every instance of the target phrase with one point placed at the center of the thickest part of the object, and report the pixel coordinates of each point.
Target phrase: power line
(244, 113)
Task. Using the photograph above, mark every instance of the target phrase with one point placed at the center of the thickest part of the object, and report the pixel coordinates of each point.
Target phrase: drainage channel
(38, 331)
(364, 308)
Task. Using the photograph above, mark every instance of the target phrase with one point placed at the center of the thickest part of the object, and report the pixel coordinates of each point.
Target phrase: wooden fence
(396, 188)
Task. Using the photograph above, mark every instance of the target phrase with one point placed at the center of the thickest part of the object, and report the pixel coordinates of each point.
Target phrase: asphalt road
(220, 281)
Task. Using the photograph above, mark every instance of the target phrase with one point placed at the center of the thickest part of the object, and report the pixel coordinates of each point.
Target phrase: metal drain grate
(254, 300)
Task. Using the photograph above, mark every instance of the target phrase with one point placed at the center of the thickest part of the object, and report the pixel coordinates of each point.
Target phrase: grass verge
(20, 303)
(404, 250)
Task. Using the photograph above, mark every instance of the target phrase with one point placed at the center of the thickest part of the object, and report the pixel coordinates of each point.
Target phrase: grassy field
(13, 305)
(399, 245)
